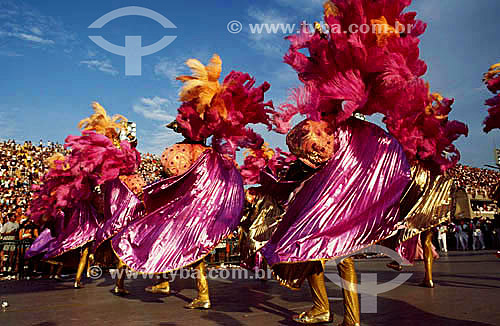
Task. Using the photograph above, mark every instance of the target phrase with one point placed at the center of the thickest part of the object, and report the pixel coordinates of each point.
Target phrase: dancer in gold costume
(426, 204)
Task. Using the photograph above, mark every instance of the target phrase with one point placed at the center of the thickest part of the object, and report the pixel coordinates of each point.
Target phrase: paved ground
(467, 293)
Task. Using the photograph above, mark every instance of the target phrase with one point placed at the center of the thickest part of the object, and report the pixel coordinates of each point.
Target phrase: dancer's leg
(320, 311)
(428, 259)
(202, 301)
(81, 267)
(120, 280)
(349, 279)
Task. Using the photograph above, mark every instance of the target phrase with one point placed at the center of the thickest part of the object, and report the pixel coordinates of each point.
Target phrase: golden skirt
(426, 202)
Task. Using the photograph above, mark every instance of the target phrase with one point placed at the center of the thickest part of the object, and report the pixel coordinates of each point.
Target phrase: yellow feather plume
(102, 124)
(493, 72)
(330, 9)
(203, 85)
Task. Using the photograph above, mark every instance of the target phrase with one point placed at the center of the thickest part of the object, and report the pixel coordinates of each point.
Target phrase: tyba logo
(133, 51)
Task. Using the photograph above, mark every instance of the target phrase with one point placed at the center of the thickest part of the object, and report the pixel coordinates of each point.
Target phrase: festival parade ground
(466, 293)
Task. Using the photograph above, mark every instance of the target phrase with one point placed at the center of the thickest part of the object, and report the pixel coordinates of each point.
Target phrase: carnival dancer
(122, 204)
(201, 202)
(352, 200)
(69, 201)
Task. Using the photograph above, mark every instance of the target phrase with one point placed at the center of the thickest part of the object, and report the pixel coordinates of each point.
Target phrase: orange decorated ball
(177, 159)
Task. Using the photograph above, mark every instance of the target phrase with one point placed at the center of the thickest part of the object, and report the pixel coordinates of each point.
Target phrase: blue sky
(51, 71)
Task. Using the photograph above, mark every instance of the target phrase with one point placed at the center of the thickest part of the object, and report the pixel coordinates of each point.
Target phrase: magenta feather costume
(66, 201)
(335, 212)
(189, 213)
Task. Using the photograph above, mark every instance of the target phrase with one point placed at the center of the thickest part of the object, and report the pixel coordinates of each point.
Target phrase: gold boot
(81, 268)
(202, 301)
(320, 312)
(428, 259)
(119, 288)
(161, 288)
(349, 279)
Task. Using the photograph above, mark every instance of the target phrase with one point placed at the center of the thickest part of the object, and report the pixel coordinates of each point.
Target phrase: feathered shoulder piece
(222, 111)
(366, 60)
(93, 159)
(492, 81)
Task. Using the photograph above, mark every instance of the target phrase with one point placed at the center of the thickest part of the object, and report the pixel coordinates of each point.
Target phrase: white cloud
(91, 53)
(156, 140)
(23, 22)
(169, 69)
(101, 65)
(154, 108)
(267, 17)
(32, 38)
(274, 27)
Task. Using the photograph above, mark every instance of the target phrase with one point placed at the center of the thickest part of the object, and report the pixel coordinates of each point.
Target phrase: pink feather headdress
(94, 158)
(222, 111)
(350, 69)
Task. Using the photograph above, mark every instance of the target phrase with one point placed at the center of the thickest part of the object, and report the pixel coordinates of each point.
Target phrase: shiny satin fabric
(81, 228)
(414, 248)
(40, 245)
(121, 206)
(349, 204)
(187, 217)
(260, 219)
(318, 293)
(426, 202)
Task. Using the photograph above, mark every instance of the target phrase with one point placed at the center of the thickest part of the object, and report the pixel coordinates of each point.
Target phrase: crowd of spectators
(150, 168)
(23, 165)
(472, 234)
(475, 181)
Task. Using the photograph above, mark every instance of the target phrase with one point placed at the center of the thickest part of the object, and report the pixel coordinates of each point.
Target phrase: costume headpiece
(378, 70)
(492, 81)
(97, 156)
(103, 124)
(221, 111)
